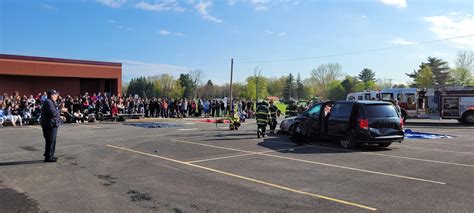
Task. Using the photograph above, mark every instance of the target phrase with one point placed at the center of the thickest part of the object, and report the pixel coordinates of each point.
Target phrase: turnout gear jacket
(263, 115)
(291, 110)
(273, 111)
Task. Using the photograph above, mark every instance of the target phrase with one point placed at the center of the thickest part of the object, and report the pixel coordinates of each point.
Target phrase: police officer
(50, 122)
(273, 116)
(291, 109)
(263, 118)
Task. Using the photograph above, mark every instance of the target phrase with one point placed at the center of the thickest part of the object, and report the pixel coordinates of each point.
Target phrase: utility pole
(231, 74)
(256, 86)
(291, 87)
(257, 77)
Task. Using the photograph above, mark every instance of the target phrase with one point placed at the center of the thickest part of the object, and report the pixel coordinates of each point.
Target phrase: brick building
(31, 75)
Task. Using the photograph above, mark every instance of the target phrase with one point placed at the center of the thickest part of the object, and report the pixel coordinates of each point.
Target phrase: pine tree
(300, 90)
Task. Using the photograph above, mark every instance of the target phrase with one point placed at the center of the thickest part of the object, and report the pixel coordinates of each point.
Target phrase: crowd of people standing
(17, 109)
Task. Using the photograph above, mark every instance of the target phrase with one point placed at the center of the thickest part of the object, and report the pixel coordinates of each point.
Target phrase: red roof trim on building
(59, 60)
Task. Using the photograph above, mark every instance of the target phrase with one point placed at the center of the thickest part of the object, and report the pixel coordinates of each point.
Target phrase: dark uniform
(263, 118)
(50, 121)
(273, 117)
(291, 110)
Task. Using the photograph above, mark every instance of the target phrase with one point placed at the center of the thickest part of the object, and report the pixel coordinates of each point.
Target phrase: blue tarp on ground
(153, 125)
(409, 134)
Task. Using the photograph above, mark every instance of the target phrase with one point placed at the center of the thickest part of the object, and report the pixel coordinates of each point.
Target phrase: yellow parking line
(234, 156)
(218, 147)
(220, 158)
(436, 150)
(401, 157)
(250, 179)
(319, 163)
(355, 169)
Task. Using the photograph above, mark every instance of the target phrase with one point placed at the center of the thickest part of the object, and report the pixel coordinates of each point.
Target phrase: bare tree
(324, 74)
(196, 76)
(465, 60)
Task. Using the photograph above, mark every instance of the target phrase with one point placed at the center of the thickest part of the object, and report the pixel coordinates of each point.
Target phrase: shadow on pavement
(314, 146)
(14, 163)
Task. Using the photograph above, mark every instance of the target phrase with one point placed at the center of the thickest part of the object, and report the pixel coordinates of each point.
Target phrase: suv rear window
(381, 111)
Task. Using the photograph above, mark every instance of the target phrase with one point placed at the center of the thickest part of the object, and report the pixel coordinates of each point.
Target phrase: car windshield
(381, 111)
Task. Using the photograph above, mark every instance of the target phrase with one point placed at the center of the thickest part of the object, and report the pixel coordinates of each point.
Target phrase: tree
(425, 78)
(465, 59)
(208, 91)
(300, 88)
(288, 90)
(399, 86)
(176, 90)
(196, 76)
(349, 84)
(188, 85)
(275, 86)
(259, 84)
(439, 68)
(461, 76)
(324, 74)
(366, 76)
(251, 89)
(163, 84)
(142, 87)
(336, 91)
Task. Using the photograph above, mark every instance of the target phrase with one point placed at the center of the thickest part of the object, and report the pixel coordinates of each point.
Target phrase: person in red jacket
(114, 110)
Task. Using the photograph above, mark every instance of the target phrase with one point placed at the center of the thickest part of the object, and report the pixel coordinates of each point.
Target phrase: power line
(354, 52)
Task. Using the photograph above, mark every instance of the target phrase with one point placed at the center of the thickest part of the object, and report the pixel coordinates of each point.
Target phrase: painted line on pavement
(396, 156)
(239, 155)
(432, 142)
(436, 150)
(250, 179)
(316, 163)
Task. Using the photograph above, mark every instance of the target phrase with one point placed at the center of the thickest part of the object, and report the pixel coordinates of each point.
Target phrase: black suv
(352, 123)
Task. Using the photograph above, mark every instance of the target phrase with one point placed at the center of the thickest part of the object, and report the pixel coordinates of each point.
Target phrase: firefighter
(291, 109)
(273, 115)
(234, 121)
(263, 118)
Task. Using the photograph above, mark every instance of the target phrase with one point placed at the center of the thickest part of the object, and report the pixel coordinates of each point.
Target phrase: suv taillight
(401, 123)
(364, 123)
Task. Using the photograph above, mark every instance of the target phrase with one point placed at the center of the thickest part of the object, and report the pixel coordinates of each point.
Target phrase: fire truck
(446, 103)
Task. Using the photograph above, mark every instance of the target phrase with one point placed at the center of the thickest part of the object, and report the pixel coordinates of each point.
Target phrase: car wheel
(386, 144)
(296, 135)
(290, 130)
(468, 117)
(348, 141)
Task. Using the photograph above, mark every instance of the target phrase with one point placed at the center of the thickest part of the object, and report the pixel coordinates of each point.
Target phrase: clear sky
(170, 36)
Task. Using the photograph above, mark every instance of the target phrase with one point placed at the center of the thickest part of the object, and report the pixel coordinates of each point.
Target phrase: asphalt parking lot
(198, 167)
